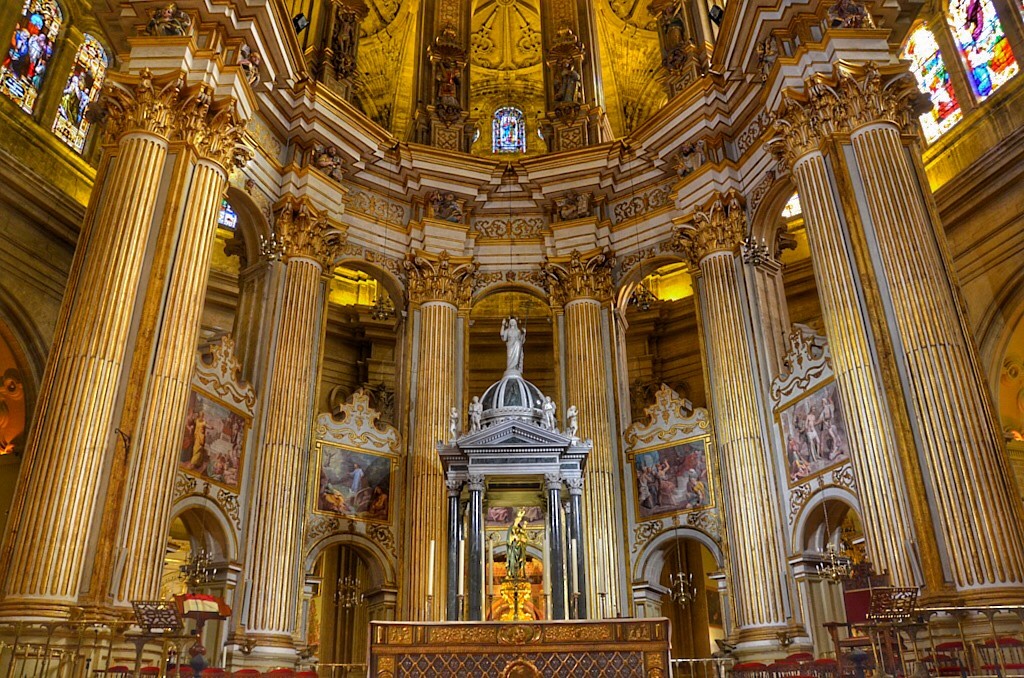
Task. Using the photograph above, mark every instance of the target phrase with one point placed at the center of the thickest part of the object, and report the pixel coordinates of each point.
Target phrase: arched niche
(382, 568)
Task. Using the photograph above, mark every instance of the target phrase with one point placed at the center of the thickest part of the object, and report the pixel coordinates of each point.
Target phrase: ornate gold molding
(719, 227)
(580, 276)
(440, 277)
(211, 126)
(300, 230)
(839, 102)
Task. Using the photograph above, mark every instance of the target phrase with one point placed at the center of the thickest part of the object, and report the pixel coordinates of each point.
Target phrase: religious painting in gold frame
(353, 483)
(814, 433)
(673, 478)
(213, 441)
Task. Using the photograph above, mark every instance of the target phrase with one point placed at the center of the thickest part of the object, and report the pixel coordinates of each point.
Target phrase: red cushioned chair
(1009, 650)
(307, 674)
(950, 658)
(824, 668)
(150, 671)
(751, 670)
(246, 673)
(213, 672)
(120, 669)
(280, 673)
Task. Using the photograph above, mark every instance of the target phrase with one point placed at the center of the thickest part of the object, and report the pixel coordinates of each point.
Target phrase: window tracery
(29, 51)
(929, 68)
(986, 51)
(508, 131)
(81, 89)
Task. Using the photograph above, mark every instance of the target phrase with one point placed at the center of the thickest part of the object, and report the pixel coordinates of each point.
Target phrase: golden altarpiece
(257, 257)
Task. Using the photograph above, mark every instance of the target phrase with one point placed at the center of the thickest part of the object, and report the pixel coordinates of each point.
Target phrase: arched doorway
(348, 587)
(692, 600)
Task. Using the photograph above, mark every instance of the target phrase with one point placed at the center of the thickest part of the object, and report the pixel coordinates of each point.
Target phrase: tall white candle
(490, 567)
(462, 561)
(430, 571)
(572, 567)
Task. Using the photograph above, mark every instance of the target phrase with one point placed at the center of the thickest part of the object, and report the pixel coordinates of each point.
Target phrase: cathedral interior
(511, 337)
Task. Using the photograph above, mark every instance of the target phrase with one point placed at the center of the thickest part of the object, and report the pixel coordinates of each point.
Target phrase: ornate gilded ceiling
(506, 35)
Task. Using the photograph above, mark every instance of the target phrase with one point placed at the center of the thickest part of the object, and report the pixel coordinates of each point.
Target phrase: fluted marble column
(73, 433)
(306, 245)
(437, 284)
(884, 489)
(211, 134)
(582, 283)
(750, 502)
(901, 251)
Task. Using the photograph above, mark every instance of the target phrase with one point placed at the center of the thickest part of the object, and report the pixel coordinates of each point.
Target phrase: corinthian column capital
(580, 276)
(300, 230)
(851, 96)
(137, 103)
(210, 125)
(440, 277)
(717, 227)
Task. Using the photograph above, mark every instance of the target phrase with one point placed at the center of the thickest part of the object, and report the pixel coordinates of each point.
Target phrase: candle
(572, 567)
(430, 570)
(547, 563)
(490, 567)
(462, 560)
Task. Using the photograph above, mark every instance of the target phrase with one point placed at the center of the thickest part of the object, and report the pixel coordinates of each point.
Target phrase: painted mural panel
(213, 442)
(13, 414)
(673, 479)
(353, 483)
(502, 516)
(814, 433)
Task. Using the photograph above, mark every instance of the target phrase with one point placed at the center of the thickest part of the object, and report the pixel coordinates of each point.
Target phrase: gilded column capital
(210, 125)
(851, 96)
(137, 103)
(580, 276)
(440, 277)
(717, 227)
(300, 230)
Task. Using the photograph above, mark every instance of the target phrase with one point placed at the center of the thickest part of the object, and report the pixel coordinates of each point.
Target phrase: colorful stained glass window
(984, 46)
(932, 77)
(81, 89)
(28, 54)
(227, 217)
(508, 131)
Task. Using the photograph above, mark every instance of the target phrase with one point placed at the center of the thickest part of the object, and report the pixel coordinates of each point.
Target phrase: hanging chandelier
(346, 592)
(836, 565)
(682, 589)
(383, 308)
(199, 569)
(642, 298)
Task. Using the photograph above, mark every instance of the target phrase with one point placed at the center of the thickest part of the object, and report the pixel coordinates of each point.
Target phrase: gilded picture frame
(808, 455)
(674, 478)
(353, 483)
(213, 440)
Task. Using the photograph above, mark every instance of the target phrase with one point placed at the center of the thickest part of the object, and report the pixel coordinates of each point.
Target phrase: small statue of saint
(476, 411)
(549, 413)
(515, 559)
(453, 424)
(572, 426)
(514, 338)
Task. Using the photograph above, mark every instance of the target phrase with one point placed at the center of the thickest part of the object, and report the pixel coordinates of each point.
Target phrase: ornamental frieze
(440, 277)
(580, 276)
(718, 227)
(302, 231)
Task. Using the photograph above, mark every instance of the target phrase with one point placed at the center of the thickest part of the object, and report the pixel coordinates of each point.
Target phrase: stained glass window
(932, 77)
(28, 54)
(81, 89)
(985, 49)
(508, 131)
(227, 217)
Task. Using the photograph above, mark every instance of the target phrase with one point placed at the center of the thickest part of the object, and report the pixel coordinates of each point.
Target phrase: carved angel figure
(169, 21)
(571, 423)
(549, 413)
(327, 160)
(453, 424)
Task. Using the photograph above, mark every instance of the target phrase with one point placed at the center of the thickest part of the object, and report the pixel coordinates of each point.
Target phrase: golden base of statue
(517, 594)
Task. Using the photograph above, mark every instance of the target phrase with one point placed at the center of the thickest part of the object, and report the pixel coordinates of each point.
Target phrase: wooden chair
(850, 636)
(890, 610)
(1007, 653)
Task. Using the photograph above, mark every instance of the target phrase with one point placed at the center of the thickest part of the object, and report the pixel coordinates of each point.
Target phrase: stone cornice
(719, 226)
(580, 276)
(301, 231)
(440, 277)
(851, 96)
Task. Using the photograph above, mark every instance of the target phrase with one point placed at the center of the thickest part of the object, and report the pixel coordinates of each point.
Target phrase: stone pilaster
(750, 496)
(51, 527)
(901, 255)
(438, 284)
(209, 130)
(582, 285)
(305, 245)
(883, 488)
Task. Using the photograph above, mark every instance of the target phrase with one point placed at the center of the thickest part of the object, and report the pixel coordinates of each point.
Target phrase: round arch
(515, 286)
(252, 223)
(651, 559)
(630, 278)
(207, 520)
(806, 526)
(382, 569)
(765, 218)
(997, 325)
(392, 285)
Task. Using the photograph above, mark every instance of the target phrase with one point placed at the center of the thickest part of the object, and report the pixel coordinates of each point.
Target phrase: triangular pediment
(513, 434)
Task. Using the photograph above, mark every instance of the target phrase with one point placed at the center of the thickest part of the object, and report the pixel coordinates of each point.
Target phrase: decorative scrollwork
(644, 532)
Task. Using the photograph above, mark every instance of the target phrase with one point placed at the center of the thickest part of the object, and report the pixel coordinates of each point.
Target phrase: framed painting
(213, 442)
(814, 434)
(353, 483)
(500, 517)
(673, 478)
